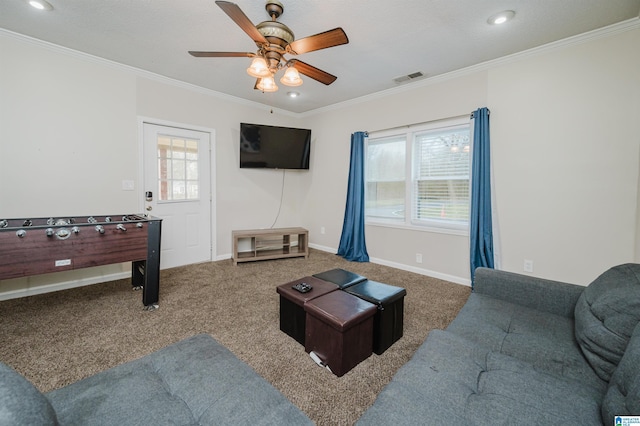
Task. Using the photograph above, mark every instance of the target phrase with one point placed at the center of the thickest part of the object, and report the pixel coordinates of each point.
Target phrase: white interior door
(177, 182)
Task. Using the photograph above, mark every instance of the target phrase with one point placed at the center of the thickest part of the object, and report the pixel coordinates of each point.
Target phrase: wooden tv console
(274, 243)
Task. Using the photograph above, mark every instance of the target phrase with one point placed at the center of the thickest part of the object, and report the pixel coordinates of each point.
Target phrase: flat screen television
(273, 147)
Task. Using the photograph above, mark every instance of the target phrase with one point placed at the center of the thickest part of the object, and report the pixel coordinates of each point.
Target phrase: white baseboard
(48, 288)
(323, 248)
(409, 268)
(422, 271)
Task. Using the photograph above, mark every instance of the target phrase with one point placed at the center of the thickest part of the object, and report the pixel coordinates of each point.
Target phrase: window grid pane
(177, 169)
(385, 176)
(441, 176)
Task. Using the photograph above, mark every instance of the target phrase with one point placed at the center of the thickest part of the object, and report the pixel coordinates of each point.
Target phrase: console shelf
(264, 244)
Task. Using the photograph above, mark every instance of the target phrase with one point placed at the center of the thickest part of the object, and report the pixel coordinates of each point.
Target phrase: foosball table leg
(151, 277)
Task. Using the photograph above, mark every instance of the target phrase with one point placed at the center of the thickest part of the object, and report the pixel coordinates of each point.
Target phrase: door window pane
(177, 169)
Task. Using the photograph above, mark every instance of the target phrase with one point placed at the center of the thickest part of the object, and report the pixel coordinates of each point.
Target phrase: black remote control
(302, 287)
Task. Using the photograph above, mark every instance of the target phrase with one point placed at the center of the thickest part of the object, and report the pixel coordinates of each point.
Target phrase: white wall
(68, 134)
(565, 139)
(565, 142)
(69, 137)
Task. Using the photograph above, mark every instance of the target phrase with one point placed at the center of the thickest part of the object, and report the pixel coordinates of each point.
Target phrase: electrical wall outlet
(528, 265)
(418, 257)
(322, 230)
(128, 185)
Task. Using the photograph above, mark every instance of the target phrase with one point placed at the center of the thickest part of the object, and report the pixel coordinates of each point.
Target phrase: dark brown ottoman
(340, 277)
(339, 330)
(292, 314)
(388, 321)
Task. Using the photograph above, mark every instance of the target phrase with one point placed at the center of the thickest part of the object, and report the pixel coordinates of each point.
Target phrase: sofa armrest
(537, 293)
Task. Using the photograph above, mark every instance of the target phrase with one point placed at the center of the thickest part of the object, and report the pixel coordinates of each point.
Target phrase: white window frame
(408, 133)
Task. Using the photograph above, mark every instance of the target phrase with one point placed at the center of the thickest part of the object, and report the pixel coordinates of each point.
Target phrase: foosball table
(43, 245)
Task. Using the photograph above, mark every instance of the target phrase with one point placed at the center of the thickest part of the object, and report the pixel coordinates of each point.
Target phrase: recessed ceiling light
(502, 17)
(40, 4)
(293, 94)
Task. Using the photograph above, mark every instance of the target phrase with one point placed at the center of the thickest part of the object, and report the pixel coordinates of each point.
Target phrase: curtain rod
(408, 126)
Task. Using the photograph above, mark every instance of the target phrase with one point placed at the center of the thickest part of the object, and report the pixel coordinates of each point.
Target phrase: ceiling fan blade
(238, 16)
(221, 54)
(313, 72)
(334, 37)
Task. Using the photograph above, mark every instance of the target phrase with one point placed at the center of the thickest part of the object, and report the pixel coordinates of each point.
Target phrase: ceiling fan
(274, 40)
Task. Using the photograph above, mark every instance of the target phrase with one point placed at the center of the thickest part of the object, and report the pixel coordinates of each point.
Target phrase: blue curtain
(480, 227)
(352, 243)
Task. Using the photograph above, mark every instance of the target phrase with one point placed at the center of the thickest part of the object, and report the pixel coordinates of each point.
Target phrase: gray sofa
(196, 381)
(526, 351)
(522, 351)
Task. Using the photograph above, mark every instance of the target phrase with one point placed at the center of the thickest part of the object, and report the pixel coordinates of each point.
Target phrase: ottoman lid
(340, 277)
(375, 292)
(319, 287)
(340, 310)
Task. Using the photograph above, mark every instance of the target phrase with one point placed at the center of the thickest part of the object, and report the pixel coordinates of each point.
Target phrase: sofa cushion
(544, 340)
(451, 380)
(623, 395)
(196, 381)
(21, 402)
(606, 314)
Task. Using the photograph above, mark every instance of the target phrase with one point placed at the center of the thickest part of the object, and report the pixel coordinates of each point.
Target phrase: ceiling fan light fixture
(501, 18)
(259, 68)
(291, 77)
(267, 84)
(274, 40)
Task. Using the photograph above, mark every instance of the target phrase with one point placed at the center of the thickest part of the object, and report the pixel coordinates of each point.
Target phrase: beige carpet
(58, 338)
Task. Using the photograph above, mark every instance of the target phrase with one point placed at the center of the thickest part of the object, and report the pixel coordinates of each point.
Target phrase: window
(385, 177)
(177, 169)
(420, 178)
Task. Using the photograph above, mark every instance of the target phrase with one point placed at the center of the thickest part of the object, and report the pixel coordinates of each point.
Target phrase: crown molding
(600, 33)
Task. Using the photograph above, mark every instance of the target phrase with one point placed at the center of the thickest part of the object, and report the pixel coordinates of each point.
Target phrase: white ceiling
(387, 39)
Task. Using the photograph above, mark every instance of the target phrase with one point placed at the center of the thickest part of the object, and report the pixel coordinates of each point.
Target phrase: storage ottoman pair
(343, 318)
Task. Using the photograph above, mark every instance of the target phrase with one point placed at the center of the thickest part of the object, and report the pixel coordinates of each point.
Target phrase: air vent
(408, 77)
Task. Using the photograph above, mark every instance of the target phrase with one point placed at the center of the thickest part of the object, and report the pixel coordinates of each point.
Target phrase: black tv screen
(273, 147)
